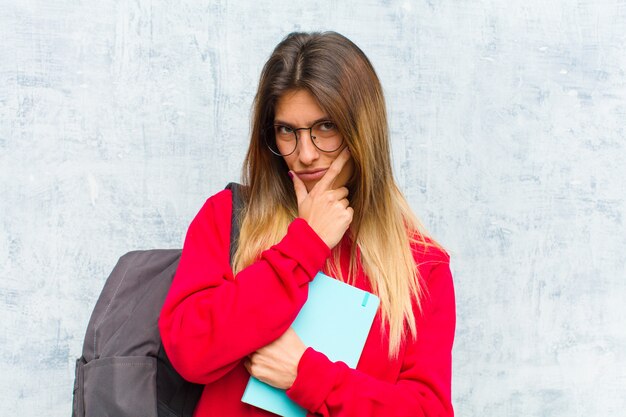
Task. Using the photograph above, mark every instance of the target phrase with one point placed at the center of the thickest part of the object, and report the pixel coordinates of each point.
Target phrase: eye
(283, 130)
(327, 126)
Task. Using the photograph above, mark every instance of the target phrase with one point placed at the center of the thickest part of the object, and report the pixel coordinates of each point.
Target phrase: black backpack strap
(235, 224)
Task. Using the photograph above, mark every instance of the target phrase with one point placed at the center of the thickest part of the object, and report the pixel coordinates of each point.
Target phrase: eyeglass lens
(324, 135)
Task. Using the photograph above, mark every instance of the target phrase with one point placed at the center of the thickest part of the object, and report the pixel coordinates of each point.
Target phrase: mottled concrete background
(118, 118)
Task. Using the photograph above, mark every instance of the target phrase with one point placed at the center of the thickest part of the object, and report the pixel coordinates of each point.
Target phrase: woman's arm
(423, 386)
(211, 320)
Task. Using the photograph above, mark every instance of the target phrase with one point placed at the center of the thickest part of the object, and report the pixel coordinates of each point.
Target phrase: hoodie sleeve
(211, 319)
(422, 389)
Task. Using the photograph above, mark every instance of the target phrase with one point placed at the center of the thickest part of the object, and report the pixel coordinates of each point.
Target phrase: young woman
(319, 195)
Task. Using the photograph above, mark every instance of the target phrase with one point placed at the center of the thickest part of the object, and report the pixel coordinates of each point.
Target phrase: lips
(311, 175)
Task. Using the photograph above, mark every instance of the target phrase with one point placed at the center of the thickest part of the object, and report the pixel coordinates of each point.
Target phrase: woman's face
(298, 109)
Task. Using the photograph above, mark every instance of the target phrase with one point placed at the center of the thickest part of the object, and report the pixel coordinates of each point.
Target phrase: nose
(307, 151)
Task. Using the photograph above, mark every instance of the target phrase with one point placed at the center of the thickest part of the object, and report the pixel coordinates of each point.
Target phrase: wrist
(298, 352)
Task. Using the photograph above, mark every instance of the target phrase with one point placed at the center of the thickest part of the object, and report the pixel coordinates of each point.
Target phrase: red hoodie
(211, 320)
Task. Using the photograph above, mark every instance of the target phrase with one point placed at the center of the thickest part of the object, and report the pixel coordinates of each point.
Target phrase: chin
(309, 185)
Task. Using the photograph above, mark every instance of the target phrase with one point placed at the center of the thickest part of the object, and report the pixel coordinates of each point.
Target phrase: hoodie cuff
(317, 376)
(303, 245)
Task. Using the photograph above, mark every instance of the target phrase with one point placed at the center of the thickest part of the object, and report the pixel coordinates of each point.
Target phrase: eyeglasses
(282, 140)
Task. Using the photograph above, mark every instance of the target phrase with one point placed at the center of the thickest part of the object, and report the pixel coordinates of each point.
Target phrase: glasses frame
(272, 129)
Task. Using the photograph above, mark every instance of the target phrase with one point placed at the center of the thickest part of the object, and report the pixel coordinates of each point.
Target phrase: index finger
(333, 170)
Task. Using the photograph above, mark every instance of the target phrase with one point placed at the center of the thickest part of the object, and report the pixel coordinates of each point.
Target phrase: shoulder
(221, 203)
(217, 205)
(221, 200)
(433, 264)
(210, 227)
(428, 253)
(213, 218)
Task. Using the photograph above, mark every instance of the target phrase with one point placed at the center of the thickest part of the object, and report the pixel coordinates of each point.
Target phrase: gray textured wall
(118, 118)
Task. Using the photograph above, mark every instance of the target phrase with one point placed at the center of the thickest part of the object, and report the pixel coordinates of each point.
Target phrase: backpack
(123, 370)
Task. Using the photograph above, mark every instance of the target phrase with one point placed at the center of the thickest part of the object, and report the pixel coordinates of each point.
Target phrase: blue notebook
(335, 320)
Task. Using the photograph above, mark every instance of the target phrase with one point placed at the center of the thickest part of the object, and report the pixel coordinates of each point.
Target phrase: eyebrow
(283, 123)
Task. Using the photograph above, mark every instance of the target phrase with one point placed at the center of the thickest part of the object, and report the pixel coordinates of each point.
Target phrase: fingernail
(290, 174)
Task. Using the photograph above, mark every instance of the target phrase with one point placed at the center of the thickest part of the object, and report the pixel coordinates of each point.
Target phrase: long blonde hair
(339, 75)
